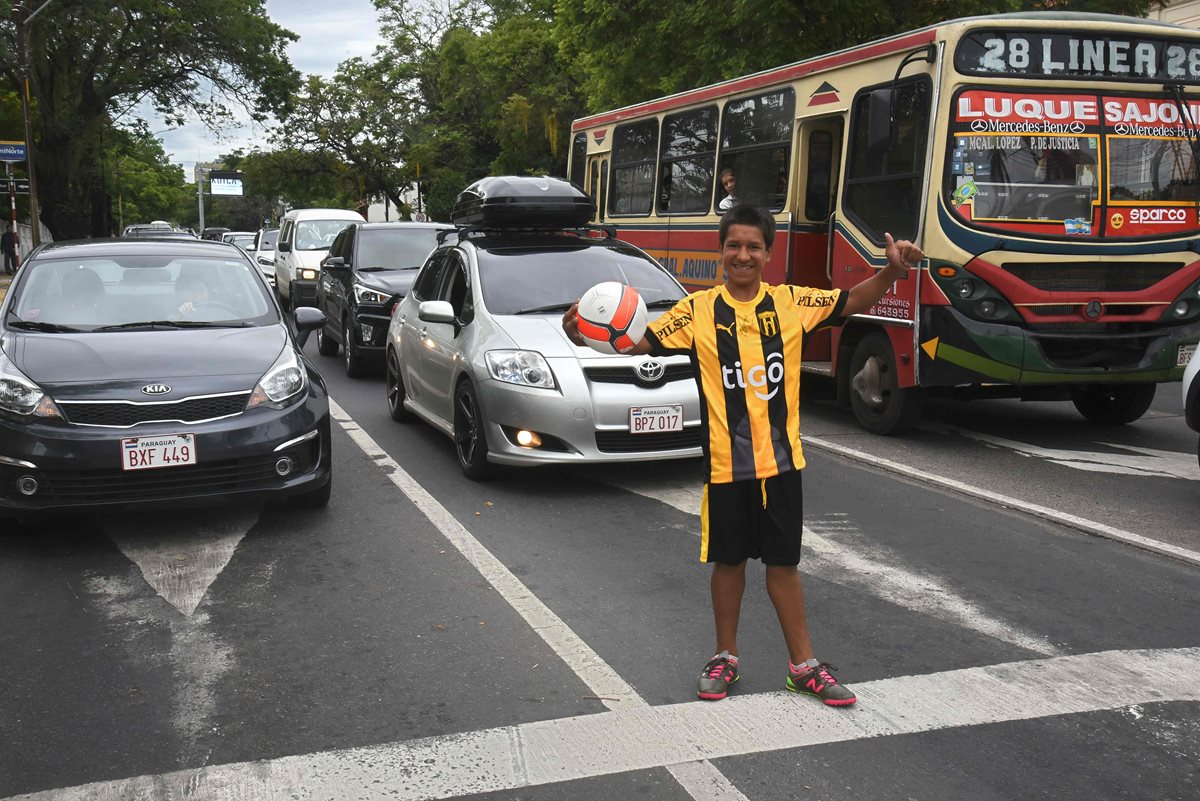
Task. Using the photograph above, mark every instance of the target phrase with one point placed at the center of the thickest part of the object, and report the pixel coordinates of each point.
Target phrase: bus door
(597, 184)
(820, 146)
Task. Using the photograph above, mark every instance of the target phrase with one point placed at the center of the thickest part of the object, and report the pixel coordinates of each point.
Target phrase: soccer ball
(612, 317)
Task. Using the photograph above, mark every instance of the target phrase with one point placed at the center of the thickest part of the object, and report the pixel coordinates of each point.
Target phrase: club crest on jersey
(768, 323)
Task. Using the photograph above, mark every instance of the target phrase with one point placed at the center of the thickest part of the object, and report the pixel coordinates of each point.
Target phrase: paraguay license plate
(1184, 355)
(170, 450)
(653, 419)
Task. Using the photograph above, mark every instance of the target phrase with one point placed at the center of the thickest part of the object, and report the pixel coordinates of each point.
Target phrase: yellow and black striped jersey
(746, 355)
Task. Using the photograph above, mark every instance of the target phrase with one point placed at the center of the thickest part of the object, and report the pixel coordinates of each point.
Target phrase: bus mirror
(879, 125)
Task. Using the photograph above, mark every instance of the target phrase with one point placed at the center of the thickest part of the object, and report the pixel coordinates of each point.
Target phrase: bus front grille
(1091, 276)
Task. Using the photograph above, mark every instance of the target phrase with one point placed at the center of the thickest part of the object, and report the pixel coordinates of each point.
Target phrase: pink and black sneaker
(816, 678)
(718, 676)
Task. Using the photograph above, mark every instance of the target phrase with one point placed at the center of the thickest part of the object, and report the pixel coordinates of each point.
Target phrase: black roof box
(516, 201)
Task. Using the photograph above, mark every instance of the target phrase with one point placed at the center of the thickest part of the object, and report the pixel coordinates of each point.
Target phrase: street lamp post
(23, 64)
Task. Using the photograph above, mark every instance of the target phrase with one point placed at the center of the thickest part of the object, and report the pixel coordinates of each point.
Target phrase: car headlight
(308, 275)
(286, 379)
(525, 367)
(20, 396)
(372, 297)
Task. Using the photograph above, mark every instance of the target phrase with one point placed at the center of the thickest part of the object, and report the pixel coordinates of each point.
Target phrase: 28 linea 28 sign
(1033, 54)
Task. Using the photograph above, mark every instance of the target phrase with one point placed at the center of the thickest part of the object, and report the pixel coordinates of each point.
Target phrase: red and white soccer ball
(612, 317)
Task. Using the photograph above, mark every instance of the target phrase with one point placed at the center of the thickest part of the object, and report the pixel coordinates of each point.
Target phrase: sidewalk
(5, 280)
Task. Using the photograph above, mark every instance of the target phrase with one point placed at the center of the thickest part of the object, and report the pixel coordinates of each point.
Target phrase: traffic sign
(12, 151)
(20, 186)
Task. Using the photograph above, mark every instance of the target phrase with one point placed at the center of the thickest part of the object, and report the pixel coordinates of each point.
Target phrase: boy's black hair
(745, 214)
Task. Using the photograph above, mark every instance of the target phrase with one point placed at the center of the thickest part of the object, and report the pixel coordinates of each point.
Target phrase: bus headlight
(1181, 308)
(965, 288)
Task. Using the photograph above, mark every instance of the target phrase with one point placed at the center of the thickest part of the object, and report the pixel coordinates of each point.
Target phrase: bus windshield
(1072, 165)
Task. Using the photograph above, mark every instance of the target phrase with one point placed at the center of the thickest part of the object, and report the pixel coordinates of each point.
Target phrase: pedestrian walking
(745, 338)
(8, 244)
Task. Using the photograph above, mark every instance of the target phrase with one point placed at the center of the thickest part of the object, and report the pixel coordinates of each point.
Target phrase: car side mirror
(307, 319)
(436, 311)
(283, 247)
(335, 264)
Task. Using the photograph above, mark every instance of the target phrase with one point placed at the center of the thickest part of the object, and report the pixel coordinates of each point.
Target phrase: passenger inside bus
(728, 181)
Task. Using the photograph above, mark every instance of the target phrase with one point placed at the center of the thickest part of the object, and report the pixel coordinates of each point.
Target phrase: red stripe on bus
(820, 100)
(780, 75)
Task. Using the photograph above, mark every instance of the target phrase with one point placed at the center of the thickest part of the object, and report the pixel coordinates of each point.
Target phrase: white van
(304, 239)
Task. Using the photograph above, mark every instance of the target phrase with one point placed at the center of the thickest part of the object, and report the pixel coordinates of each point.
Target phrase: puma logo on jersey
(728, 329)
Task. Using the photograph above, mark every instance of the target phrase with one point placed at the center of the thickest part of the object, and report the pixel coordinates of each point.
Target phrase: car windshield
(318, 234)
(268, 239)
(394, 248)
(516, 280)
(127, 291)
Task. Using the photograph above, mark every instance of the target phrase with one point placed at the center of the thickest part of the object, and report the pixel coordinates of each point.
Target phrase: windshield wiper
(49, 328)
(661, 303)
(172, 324)
(553, 307)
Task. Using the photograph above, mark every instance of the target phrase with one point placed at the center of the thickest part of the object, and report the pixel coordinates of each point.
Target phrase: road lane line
(1044, 512)
(604, 682)
(643, 738)
(879, 574)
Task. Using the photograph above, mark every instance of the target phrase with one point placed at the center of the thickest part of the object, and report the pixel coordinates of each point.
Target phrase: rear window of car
(517, 279)
(125, 290)
(394, 248)
(268, 239)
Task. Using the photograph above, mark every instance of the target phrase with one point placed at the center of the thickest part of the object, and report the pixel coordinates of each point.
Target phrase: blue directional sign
(12, 151)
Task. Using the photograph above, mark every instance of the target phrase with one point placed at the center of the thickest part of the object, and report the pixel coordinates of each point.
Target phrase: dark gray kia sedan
(155, 372)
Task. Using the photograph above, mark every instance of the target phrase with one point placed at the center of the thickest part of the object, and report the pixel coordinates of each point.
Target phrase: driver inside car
(194, 293)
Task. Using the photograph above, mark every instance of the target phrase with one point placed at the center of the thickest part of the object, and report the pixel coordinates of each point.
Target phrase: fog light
(368, 333)
(28, 485)
(1181, 308)
(528, 439)
(965, 288)
(284, 466)
(987, 308)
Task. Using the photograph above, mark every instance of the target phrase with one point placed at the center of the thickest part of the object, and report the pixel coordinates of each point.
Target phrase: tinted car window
(425, 287)
(516, 279)
(394, 248)
(122, 290)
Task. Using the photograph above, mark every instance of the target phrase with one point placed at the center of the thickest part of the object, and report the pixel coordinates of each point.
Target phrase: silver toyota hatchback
(476, 348)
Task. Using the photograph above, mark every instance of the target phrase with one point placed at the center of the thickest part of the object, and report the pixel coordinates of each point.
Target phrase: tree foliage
(95, 61)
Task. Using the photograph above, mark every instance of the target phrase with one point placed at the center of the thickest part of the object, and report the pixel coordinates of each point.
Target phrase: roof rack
(463, 231)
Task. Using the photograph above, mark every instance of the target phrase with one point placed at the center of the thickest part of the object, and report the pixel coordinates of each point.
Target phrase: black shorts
(761, 518)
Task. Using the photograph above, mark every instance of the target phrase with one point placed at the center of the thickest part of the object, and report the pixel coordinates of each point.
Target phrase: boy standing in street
(745, 340)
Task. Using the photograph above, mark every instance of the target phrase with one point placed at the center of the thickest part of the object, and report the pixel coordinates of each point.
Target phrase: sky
(330, 32)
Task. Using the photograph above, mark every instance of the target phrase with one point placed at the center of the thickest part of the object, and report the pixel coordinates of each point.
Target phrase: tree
(92, 62)
(637, 50)
(144, 185)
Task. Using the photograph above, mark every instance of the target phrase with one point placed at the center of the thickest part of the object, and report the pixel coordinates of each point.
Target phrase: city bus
(1045, 162)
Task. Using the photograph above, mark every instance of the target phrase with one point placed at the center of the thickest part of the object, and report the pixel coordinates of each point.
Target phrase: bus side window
(822, 169)
(689, 150)
(756, 141)
(603, 187)
(634, 157)
(593, 189)
(882, 194)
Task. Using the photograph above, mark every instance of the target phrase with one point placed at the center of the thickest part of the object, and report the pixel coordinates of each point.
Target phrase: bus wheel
(880, 405)
(1113, 404)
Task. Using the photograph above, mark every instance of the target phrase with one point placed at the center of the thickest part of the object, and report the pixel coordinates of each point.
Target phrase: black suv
(369, 268)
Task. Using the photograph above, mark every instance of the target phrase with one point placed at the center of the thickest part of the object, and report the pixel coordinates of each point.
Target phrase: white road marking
(604, 682)
(181, 568)
(1129, 460)
(876, 571)
(1044, 512)
(644, 737)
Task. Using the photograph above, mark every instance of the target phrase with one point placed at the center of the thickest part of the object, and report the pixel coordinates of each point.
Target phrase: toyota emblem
(155, 389)
(650, 371)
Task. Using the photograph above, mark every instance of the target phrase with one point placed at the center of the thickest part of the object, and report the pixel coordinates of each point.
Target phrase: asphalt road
(537, 637)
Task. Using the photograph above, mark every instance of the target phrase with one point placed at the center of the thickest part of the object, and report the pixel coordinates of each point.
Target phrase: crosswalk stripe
(644, 737)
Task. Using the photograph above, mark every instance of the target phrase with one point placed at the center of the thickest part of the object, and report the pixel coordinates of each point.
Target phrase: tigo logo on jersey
(757, 376)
